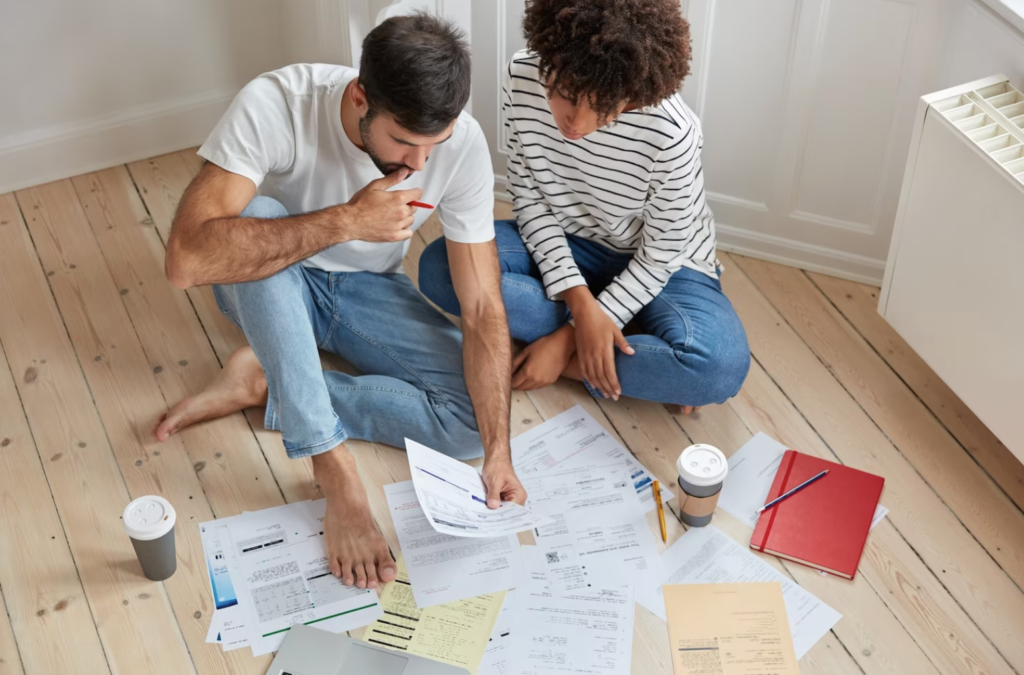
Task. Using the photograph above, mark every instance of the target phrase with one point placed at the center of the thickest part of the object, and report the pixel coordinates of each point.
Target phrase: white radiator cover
(954, 280)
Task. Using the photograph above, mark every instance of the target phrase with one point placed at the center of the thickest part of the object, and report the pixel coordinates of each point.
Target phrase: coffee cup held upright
(149, 522)
(702, 470)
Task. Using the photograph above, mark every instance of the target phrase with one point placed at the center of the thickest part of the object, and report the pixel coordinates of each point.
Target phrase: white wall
(983, 43)
(85, 85)
(807, 109)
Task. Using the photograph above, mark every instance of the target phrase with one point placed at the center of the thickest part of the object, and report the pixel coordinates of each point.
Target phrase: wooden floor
(95, 344)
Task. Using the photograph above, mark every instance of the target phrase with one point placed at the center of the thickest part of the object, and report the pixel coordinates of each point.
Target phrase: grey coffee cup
(702, 471)
(149, 522)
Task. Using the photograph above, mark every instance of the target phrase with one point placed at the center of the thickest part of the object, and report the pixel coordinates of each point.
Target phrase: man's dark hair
(417, 68)
(610, 51)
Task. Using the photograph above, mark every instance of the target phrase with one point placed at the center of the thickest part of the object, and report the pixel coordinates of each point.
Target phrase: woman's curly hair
(610, 51)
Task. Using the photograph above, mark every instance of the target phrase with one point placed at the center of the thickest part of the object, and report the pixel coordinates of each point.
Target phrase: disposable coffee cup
(149, 522)
(702, 470)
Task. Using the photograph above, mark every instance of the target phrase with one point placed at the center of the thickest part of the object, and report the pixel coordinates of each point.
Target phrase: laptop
(311, 651)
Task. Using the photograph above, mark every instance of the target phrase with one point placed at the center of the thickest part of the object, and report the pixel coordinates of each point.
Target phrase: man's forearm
(233, 250)
(487, 357)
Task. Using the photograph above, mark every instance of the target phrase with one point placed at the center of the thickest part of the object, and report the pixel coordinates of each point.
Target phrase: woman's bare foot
(682, 409)
(240, 385)
(357, 552)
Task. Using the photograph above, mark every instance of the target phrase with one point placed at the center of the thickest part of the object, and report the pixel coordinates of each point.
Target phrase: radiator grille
(993, 118)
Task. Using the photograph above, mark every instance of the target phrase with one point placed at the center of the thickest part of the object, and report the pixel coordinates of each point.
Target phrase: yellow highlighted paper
(729, 629)
(455, 633)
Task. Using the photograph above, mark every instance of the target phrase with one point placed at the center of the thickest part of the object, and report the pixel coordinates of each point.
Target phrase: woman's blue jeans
(691, 348)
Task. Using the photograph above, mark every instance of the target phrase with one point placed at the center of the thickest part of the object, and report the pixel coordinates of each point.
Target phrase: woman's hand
(544, 360)
(597, 336)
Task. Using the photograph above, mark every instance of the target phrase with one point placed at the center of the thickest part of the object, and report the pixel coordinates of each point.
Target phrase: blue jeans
(691, 350)
(410, 353)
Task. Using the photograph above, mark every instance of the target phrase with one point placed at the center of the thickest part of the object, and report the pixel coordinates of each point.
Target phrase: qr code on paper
(552, 556)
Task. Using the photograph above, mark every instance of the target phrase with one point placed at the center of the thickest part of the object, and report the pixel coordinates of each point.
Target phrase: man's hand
(597, 336)
(544, 360)
(501, 482)
(374, 214)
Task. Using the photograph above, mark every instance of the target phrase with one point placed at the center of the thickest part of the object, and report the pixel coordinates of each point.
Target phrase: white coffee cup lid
(702, 465)
(149, 517)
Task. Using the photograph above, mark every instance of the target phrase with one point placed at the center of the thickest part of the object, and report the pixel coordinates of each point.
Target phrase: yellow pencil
(661, 510)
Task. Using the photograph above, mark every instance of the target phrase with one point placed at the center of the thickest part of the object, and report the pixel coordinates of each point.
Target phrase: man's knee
(435, 280)
(262, 299)
(264, 208)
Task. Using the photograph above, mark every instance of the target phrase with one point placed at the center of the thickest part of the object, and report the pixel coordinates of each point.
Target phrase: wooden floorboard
(983, 507)
(859, 305)
(934, 531)
(136, 624)
(937, 626)
(10, 658)
(43, 595)
(104, 344)
(127, 387)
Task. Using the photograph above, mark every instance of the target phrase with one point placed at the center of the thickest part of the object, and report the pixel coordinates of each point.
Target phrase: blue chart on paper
(220, 579)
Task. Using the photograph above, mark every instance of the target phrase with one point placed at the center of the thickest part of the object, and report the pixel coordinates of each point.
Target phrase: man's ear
(358, 95)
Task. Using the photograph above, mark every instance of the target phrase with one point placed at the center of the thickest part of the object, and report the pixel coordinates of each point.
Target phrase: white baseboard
(784, 251)
(96, 143)
(805, 256)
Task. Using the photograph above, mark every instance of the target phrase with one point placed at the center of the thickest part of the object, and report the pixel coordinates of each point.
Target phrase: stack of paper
(269, 571)
(587, 502)
(595, 553)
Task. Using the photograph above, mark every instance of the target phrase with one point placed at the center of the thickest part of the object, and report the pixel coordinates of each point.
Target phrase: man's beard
(364, 135)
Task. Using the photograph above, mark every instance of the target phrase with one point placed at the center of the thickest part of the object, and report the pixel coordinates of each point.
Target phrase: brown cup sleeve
(696, 506)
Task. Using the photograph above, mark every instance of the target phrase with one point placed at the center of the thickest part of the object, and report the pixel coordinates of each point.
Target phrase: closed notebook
(823, 525)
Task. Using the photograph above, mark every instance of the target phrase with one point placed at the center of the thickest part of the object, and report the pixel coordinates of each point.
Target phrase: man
(612, 224)
(315, 261)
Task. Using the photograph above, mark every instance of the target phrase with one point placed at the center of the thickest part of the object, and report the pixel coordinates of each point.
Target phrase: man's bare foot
(357, 552)
(240, 385)
(682, 409)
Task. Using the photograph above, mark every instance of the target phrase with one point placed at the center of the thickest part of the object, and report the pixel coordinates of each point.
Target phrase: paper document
(752, 471)
(706, 555)
(283, 577)
(496, 657)
(574, 439)
(729, 629)
(586, 633)
(599, 526)
(443, 568)
(453, 498)
(455, 633)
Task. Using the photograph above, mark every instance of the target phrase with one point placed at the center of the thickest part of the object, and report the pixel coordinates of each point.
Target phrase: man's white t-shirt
(283, 132)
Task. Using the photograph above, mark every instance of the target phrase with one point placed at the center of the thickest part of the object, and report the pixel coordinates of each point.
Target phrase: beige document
(455, 632)
(729, 629)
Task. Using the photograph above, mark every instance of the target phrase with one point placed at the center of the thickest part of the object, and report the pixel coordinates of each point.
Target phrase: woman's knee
(730, 371)
(435, 277)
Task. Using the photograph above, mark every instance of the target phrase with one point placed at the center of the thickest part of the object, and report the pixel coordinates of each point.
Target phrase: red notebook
(823, 525)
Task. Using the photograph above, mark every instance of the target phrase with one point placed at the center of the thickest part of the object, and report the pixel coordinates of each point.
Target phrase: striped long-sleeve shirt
(635, 186)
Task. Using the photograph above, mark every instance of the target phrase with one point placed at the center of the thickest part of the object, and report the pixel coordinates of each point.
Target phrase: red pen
(421, 205)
